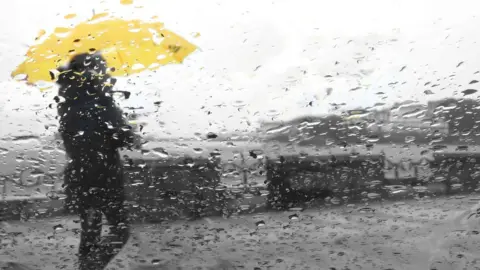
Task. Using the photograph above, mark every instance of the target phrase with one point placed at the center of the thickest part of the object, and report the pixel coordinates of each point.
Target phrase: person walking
(93, 130)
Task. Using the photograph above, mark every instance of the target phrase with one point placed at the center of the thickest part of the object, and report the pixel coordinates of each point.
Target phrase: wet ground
(417, 234)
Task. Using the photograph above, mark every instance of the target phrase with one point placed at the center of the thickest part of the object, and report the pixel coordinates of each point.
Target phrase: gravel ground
(417, 234)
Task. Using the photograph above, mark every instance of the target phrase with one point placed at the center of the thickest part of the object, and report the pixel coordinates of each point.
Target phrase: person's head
(85, 75)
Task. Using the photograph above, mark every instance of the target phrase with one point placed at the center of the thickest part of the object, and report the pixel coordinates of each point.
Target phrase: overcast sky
(263, 59)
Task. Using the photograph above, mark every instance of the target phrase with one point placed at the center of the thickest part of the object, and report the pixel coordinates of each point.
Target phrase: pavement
(410, 235)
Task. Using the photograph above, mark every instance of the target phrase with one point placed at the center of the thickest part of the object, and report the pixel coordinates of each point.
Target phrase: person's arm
(123, 133)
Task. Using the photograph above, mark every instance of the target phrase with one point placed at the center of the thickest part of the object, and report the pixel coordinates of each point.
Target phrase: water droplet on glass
(248, 196)
(126, 128)
(457, 186)
(278, 130)
(373, 196)
(20, 77)
(260, 223)
(53, 195)
(138, 66)
(428, 92)
(335, 200)
(293, 217)
(244, 207)
(156, 261)
(469, 92)
(58, 228)
(211, 135)
(366, 210)
(373, 139)
(161, 152)
(239, 103)
(409, 139)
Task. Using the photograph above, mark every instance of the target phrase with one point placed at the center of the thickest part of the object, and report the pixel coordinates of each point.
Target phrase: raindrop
(239, 103)
(428, 92)
(457, 186)
(355, 89)
(409, 139)
(272, 113)
(80, 133)
(37, 173)
(260, 223)
(373, 196)
(138, 66)
(53, 195)
(58, 228)
(293, 217)
(469, 92)
(329, 91)
(159, 151)
(459, 64)
(473, 82)
(366, 210)
(373, 139)
(156, 261)
(336, 200)
(211, 135)
(248, 196)
(20, 77)
(142, 165)
(25, 139)
(49, 182)
(220, 188)
(134, 30)
(403, 68)
(329, 141)
(420, 189)
(256, 154)
(278, 130)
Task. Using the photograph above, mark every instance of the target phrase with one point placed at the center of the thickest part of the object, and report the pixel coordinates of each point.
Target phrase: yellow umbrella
(128, 46)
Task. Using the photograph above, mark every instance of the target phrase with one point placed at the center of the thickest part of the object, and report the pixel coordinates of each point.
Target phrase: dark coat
(92, 127)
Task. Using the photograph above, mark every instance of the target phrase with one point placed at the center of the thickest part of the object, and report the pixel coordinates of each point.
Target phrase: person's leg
(91, 230)
(117, 218)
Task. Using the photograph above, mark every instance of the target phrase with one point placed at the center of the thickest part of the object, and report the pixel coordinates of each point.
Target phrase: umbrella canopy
(128, 46)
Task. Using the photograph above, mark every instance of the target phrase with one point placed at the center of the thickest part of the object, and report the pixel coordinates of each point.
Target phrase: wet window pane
(143, 134)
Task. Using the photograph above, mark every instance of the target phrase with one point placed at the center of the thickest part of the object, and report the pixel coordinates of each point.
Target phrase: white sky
(284, 37)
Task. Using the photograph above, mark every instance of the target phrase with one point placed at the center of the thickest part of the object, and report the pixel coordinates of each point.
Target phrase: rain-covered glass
(284, 134)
